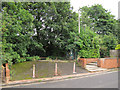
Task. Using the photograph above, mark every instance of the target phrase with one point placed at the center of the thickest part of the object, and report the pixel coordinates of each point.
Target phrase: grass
(43, 69)
(70, 77)
(39, 80)
(23, 70)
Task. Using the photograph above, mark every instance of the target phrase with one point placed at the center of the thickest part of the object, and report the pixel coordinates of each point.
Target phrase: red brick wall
(119, 62)
(84, 61)
(102, 62)
(108, 63)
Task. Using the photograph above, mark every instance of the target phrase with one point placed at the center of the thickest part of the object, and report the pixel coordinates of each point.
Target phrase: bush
(92, 53)
(29, 58)
(22, 60)
(51, 57)
(58, 57)
(118, 47)
(108, 43)
(48, 59)
(88, 44)
(35, 58)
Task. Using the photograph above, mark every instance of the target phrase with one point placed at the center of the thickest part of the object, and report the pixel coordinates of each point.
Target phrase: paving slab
(91, 67)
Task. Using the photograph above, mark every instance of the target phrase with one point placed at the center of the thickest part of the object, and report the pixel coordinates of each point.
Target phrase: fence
(42, 69)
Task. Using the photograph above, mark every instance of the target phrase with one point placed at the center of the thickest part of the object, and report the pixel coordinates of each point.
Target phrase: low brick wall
(108, 62)
(119, 62)
(84, 61)
(102, 62)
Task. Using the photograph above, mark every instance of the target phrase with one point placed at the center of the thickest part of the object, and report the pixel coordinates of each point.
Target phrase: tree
(99, 19)
(17, 28)
(53, 23)
(89, 45)
(118, 30)
(103, 23)
(108, 43)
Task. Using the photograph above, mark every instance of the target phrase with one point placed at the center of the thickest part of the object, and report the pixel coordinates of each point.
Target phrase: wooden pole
(33, 70)
(74, 68)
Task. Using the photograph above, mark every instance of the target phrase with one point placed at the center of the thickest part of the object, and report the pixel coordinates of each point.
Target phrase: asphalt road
(107, 80)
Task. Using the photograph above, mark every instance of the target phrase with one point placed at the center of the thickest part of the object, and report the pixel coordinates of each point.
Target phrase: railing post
(7, 73)
(74, 68)
(56, 73)
(33, 70)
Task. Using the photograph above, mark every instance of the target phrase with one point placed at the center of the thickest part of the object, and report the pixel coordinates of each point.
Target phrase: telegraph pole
(79, 20)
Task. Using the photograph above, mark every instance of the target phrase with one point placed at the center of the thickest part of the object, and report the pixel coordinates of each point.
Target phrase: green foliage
(117, 47)
(29, 58)
(35, 58)
(40, 29)
(89, 46)
(57, 57)
(53, 23)
(99, 19)
(108, 42)
(17, 32)
(103, 23)
(93, 53)
(7, 58)
(49, 59)
(118, 30)
(21, 60)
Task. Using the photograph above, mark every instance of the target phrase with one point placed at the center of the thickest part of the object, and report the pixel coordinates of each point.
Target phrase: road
(107, 80)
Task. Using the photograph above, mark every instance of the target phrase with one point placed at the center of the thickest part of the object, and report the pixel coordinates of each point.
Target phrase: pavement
(21, 82)
(96, 80)
(92, 67)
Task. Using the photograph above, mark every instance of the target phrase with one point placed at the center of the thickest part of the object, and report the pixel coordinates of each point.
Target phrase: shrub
(92, 53)
(35, 58)
(88, 44)
(108, 43)
(58, 57)
(22, 60)
(118, 47)
(29, 58)
(48, 59)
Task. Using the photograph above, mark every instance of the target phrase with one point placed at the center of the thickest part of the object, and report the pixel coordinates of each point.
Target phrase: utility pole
(79, 19)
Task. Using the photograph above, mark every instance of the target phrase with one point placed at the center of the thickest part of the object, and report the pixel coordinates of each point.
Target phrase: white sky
(110, 5)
